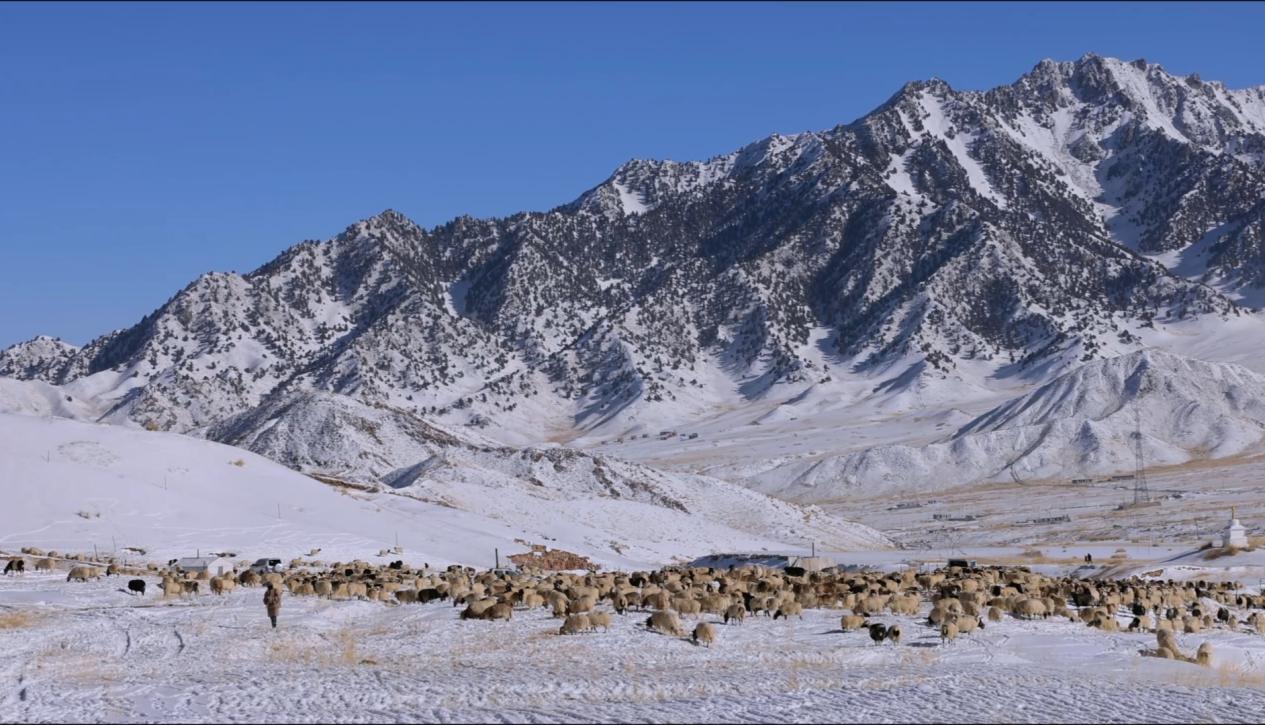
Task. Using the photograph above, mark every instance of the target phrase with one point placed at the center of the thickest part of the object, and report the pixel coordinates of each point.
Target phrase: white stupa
(1235, 534)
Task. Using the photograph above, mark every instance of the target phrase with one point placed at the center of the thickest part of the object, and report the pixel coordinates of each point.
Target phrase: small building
(215, 565)
(809, 563)
(1235, 534)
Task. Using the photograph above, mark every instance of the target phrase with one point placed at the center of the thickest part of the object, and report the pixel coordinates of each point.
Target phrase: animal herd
(957, 601)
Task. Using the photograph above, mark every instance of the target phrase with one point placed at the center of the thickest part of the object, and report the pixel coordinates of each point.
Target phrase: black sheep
(137, 585)
(878, 633)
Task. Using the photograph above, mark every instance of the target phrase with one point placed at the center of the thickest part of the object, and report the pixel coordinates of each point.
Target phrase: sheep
(735, 613)
(948, 632)
(189, 587)
(1105, 622)
(172, 588)
(850, 622)
(43, 565)
(575, 623)
(788, 609)
(705, 634)
(1257, 620)
(600, 619)
(1203, 655)
(994, 614)
(136, 585)
(1166, 643)
(665, 621)
(504, 610)
(967, 624)
(477, 608)
(687, 605)
(878, 633)
(83, 574)
(15, 566)
(223, 584)
(1030, 608)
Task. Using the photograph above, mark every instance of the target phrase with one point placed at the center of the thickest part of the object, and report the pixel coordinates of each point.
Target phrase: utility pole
(1141, 494)
(497, 553)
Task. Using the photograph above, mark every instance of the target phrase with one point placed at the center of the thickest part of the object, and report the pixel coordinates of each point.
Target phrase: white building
(216, 565)
(1235, 534)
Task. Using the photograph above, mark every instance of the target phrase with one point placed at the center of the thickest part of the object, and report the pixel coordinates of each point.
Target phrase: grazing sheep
(137, 585)
(1257, 620)
(600, 619)
(1031, 608)
(878, 633)
(83, 574)
(705, 634)
(575, 623)
(850, 622)
(504, 610)
(406, 596)
(735, 613)
(1105, 622)
(1203, 655)
(15, 567)
(476, 609)
(948, 632)
(43, 565)
(994, 614)
(666, 622)
(788, 609)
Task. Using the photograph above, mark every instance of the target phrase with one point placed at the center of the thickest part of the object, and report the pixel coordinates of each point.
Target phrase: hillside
(72, 485)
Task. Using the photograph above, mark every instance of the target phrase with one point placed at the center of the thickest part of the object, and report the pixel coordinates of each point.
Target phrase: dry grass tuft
(239, 462)
(16, 620)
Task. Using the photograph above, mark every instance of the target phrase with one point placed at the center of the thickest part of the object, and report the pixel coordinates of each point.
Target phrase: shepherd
(272, 600)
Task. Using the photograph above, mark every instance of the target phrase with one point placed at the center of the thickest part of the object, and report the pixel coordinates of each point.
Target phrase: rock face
(1004, 228)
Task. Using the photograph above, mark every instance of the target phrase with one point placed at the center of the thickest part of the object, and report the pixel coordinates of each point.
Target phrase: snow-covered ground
(90, 652)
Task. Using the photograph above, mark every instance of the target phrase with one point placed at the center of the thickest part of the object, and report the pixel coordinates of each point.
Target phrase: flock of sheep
(961, 599)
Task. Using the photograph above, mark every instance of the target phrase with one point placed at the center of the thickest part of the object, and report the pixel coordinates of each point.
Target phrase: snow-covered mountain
(1077, 425)
(1003, 235)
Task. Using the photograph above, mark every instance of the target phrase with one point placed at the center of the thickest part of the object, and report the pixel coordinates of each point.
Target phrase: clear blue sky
(141, 145)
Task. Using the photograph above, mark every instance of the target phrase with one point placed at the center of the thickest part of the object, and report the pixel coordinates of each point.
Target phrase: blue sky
(141, 145)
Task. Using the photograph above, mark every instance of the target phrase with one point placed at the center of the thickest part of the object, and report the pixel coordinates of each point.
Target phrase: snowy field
(90, 652)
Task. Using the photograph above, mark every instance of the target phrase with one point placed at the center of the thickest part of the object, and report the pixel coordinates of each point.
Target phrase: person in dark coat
(272, 600)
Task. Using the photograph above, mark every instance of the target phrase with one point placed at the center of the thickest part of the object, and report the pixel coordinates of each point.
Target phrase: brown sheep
(666, 622)
(735, 613)
(851, 622)
(600, 619)
(83, 574)
(575, 624)
(705, 634)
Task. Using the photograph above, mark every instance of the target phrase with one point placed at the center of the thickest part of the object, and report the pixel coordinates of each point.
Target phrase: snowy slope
(172, 494)
(1077, 425)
